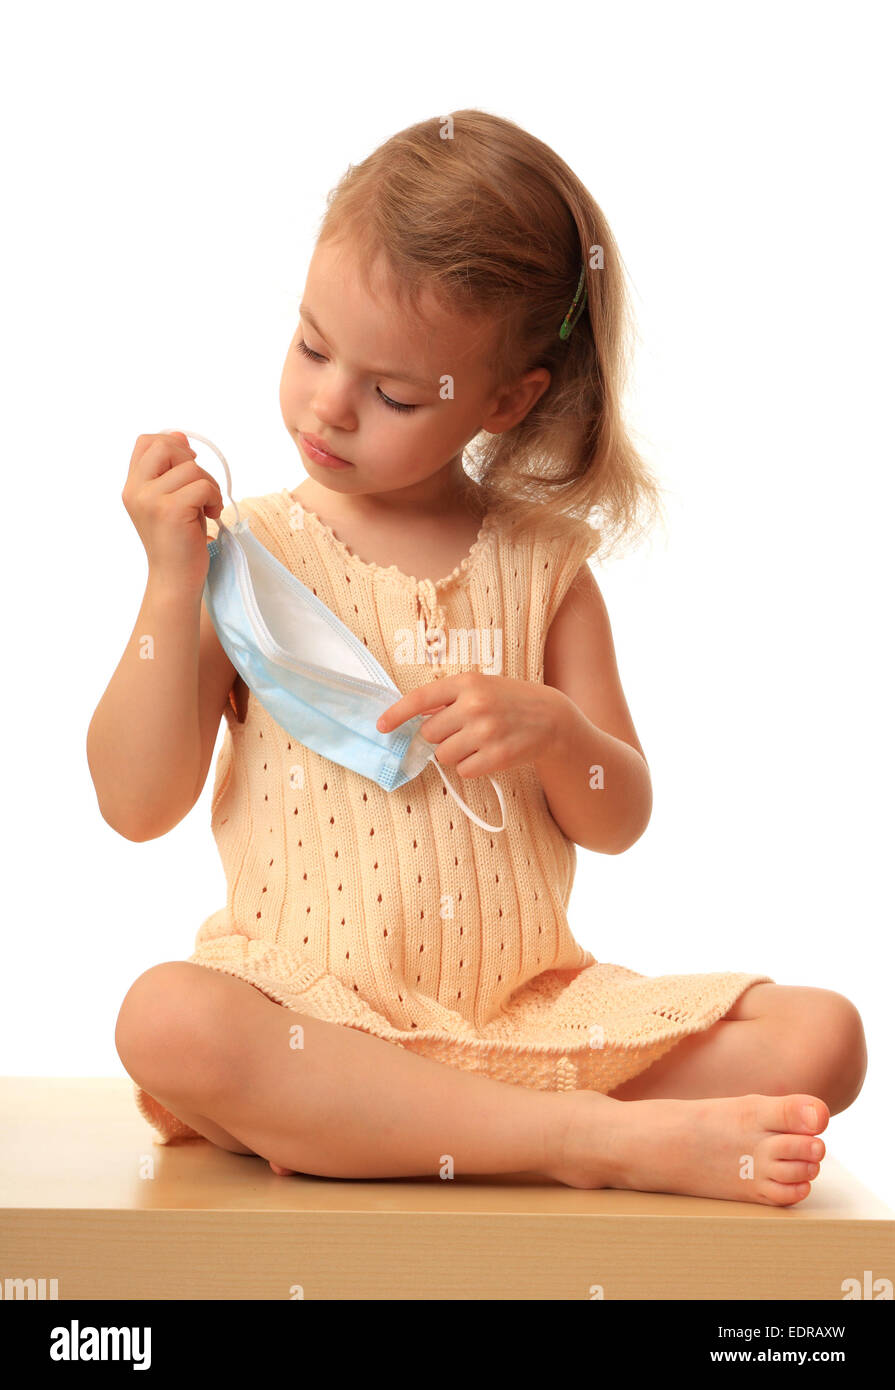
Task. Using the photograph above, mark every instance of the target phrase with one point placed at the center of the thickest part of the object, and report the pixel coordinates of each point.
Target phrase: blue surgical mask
(309, 671)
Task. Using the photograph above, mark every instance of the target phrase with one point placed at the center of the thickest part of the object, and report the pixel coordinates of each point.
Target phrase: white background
(164, 171)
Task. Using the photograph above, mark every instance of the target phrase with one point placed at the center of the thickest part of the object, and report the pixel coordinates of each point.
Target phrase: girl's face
(395, 397)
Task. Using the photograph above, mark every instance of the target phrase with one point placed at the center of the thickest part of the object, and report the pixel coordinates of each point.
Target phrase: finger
(400, 715)
(463, 744)
(161, 456)
(146, 441)
(174, 478)
(395, 714)
(441, 723)
(424, 700)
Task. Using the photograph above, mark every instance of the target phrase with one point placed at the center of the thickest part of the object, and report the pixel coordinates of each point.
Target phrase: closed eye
(302, 346)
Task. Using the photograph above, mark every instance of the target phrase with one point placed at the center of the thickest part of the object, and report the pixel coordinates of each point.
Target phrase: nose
(331, 403)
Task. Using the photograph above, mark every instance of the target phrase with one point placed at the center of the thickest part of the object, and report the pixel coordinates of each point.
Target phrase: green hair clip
(566, 327)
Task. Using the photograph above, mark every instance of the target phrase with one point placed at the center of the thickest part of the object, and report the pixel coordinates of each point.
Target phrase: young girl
(392, 989)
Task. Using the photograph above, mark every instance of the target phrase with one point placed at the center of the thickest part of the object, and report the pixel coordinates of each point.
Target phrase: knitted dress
(393, 912)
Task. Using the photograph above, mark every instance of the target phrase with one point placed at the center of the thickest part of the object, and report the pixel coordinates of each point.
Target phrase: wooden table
(87, 1199)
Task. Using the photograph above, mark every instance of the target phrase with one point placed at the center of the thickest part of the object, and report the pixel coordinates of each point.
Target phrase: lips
(322, 447)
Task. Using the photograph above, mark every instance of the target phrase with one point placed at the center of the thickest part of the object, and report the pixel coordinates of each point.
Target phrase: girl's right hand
(168, 496)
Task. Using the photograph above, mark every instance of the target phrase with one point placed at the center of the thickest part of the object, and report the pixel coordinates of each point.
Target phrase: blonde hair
(496, 226)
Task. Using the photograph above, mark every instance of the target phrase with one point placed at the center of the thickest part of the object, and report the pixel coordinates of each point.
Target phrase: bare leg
(775, 1038)
(344, 1104)
(351, 1105)
(203, 1125)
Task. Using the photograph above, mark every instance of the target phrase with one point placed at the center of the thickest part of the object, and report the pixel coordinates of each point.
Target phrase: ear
(514, 402)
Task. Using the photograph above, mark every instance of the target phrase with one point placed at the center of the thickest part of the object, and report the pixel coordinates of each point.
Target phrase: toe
(787, 1172)
(802, 1114)
(783, 1194)
(802, 1148)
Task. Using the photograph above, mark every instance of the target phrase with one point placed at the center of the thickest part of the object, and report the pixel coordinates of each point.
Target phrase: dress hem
(563, 1065)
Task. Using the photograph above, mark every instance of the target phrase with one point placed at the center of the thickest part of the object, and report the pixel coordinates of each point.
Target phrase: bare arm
(149, 766)
(594, 773)
(143, 741)
(152, 736)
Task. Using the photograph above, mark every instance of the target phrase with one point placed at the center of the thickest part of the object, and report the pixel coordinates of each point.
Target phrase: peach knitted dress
(393, 912)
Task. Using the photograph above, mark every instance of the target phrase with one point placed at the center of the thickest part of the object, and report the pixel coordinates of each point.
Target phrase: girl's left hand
(484, 723)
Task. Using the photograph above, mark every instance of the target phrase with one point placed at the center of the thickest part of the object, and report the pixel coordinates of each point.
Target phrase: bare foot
(742, 1148)
(281, 1172)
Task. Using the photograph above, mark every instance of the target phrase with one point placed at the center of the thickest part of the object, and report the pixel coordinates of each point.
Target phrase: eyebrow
(391, 373)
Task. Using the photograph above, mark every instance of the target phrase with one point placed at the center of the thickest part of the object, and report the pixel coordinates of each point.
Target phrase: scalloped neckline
(459, 573)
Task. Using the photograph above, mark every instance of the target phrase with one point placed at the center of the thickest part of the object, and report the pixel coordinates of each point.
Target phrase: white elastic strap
(460, 802)
(190, 434)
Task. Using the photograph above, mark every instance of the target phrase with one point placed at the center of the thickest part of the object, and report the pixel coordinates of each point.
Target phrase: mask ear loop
(468, 809)
(202, 440)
